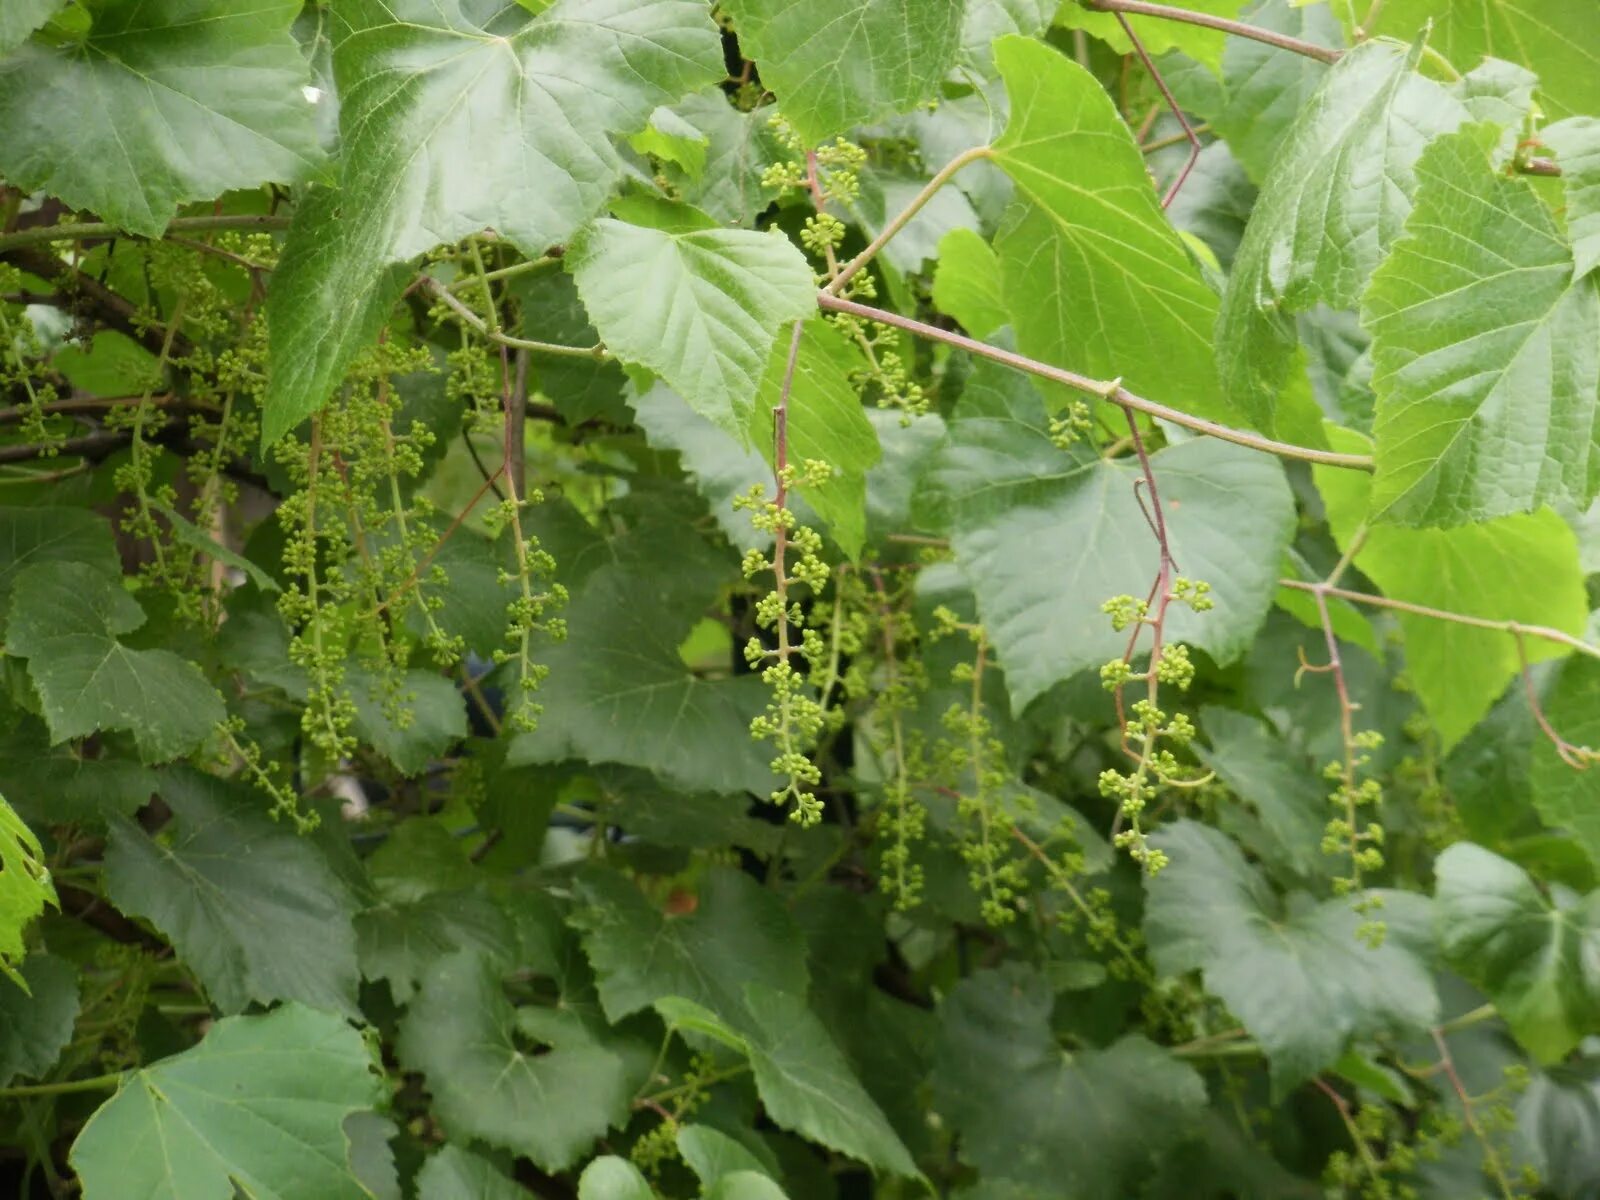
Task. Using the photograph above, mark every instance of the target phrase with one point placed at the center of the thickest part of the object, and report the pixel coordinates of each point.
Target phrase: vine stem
(96, 1083)
(1172, 103)
(42, 234)
(904, 216)
(1095, 387)
(481, 326)
(1491, 1157)
(1237, 28)
(1514, 628)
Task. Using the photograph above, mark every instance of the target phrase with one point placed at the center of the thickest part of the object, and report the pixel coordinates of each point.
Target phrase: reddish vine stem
(1579, 758)
(1347, 732)
(1160, 592)
(1491, 1157)
(1172, 103)
(780, 470)
(1237, 28)
(1094, 387)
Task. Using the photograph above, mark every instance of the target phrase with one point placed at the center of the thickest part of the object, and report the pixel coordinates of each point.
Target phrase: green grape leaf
(19, 18)
(986, 20)
(37, 1013)
(712, 1154)
(1294, 972)
(746, 1185)
(1264, 88)
(698, 305)
(1559, 1117)
(167, 101)
(65, 618)
(435, 717)
(457, 1174)
(399, 941)
(1486, 363)
(41, 535)
(582, 389)
(1259, 768)
(1333, 203)
(1568, 799)
(1576, 142)
(260, 1103)
(740, 146)
(836, 64)
(450, 126)
(1159, 36)
(611, 1178)
(1547, 36)
(966, 283)
(619, 692)
(1152, 318)
(739, 958)
(25, 887)
(1538, 961)
(1044, 537)
(467, 1040)
(252, 907)
(672, 140)
(1517, 568)
(826, 423)
(1090, 1124)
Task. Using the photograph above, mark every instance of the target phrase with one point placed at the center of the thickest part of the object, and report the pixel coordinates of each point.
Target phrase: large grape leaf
(36, 1016)
(1044, 536)
(251, 906)
(739, 959)
(1335, 200)
(1552, 37)
(1518, 568)
(25, 887)
(1538, 960)
(260, 1103)
(698, 305)
(65, 620)
(450, 126)
(457, 1174)
(1094, 228)
(162, 102)
(1568, 799)
(1293, 971)
(39, 535)
(1485, 349)
(1088, 1124)
(1262, 770)
(550, 1104)
(1576, 142)
(835, 64)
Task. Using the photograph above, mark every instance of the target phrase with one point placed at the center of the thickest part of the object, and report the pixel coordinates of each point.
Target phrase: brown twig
(1172, 103)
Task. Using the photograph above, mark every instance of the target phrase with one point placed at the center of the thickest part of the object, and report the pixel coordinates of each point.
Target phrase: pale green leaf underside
(449, 128)
(1094, 275)
(1486, 351)
(835, 64)
(261, 1102)
(1302, 984)
(457, 1174)
(166, 101)
(25, 886)
(65, 618)
(700, 308)
(1334, 201)
(1539, 963)
(253, 908)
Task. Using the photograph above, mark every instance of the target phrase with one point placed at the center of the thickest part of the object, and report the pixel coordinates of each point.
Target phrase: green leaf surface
(1258, 767)
(65, 619)
(740, 146)
(1548, 36)
(1559, 1114)
(457, 1174)
(698, 306)
(64, 535)
(260, 1102)
(1158, 35)
(167, 101)
(436, 717)
(835, 64)
(613, 1178)
(551, 1105)
(25, 887)
(1089, 1124)
(1152, 318)
(712, 1154)
(825, 423)
(1517, 568)
(1569, 799)
(19, 18)
(986, 20)
(254, 908)
(36, 1016)
(1538, 960)
(746, 1185)
(450, 126)
(1294, 972)
(966, 283)
(1576, 142)
(1486, 352)
(1045, 536)
(400, 941)
(1334, 202)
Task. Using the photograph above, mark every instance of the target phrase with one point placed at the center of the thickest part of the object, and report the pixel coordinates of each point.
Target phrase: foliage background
(627, 598)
